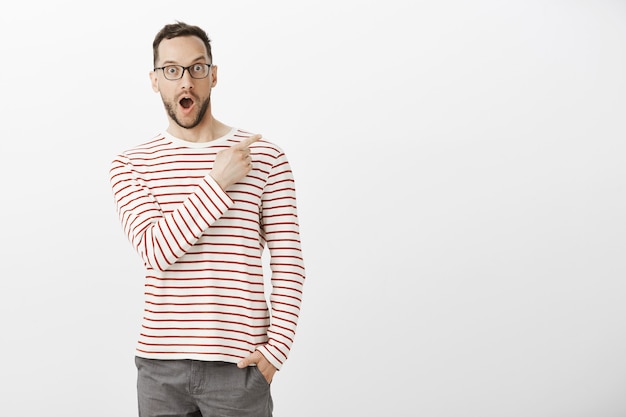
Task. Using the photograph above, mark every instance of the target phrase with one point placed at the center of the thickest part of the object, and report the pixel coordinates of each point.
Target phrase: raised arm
(162, 238)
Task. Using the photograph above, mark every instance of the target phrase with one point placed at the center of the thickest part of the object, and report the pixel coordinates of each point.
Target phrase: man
(198, 203)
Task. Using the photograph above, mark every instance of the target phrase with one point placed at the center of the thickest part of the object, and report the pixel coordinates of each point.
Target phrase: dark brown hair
(175, 30)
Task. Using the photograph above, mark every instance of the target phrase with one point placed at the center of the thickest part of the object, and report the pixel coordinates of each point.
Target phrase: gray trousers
(186, 388)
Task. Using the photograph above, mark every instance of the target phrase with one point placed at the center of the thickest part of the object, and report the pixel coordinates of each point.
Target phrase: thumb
(248, 360)
(244, 362)
(247, 142)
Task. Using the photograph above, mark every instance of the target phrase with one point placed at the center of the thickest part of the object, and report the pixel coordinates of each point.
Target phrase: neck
(208, 130)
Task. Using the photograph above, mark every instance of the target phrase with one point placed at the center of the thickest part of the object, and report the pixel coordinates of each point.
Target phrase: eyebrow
(170, 62)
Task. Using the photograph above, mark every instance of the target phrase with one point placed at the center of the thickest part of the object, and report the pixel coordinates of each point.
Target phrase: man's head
(183, 73)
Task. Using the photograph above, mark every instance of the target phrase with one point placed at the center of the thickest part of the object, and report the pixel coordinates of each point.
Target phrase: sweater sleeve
(162, 238)
(281, 232)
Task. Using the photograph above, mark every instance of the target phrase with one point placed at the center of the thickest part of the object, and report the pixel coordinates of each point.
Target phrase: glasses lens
(199, 70)
(172, 72)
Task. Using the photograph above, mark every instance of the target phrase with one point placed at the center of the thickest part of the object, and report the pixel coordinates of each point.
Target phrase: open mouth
(186, 102)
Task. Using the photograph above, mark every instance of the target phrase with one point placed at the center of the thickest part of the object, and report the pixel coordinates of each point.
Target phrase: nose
(186, 79)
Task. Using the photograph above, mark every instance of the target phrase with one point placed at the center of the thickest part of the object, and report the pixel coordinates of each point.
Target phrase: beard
(171, 111)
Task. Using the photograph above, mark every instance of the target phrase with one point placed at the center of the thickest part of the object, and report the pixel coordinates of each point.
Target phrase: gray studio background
(461, 183)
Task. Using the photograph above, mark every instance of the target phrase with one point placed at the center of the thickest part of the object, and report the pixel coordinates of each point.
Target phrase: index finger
(247, 142)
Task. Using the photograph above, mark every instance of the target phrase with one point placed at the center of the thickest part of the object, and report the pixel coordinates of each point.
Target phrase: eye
(172, 70)
(198, 68)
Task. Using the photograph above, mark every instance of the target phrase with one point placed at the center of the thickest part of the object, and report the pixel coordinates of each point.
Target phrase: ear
(154, 81)
(213, 75)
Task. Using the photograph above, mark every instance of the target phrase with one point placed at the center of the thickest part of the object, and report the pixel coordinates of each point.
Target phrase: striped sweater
(202, 248)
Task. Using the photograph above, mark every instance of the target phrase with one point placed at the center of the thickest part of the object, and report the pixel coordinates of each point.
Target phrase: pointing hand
(234, 163)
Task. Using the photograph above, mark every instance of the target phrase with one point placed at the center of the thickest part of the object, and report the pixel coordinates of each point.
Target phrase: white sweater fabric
(202, 249)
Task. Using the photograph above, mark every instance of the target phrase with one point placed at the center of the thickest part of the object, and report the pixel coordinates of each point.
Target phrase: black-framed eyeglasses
(176, 72)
